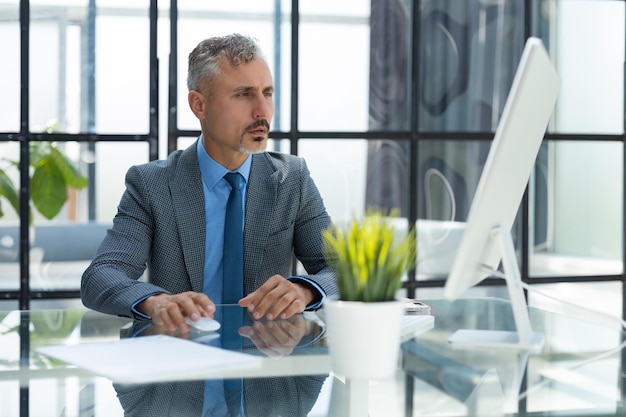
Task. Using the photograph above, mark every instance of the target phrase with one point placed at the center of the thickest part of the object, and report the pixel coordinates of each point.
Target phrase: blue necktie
(232, 290)
(232, 284)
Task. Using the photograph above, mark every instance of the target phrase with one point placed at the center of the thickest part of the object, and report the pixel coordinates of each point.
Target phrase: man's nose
(263, 107)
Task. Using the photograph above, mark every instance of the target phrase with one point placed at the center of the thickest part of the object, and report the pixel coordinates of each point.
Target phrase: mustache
(259, 123)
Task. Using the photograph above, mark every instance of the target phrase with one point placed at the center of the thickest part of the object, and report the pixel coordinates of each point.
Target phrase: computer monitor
(487, 239)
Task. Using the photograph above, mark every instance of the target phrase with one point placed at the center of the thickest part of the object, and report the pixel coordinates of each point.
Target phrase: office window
(571, 234)
(591, 65)
(388, 111)
(468, 55)
(110, 184)
(447, 176)
(9, 222)
(333, 77)
(88, 77)
(10, 80)
(338, 168)
(122, 91)
(448, 173)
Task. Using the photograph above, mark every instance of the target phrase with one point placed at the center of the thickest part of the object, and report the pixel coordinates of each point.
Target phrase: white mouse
(204, 324)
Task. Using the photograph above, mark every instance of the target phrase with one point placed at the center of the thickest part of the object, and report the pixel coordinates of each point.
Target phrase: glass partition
(77, 83)
(338, 168)
(577, 218)
(110, 170)
(381, 120)
(333, 70)
(590, 63)
(468, 56)
(11, 78)
(447, 176)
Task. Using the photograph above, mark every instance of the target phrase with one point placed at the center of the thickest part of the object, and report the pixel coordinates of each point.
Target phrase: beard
(256, 139)
(260, 140)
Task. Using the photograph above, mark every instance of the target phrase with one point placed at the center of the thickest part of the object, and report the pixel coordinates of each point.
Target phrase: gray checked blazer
(160, 224)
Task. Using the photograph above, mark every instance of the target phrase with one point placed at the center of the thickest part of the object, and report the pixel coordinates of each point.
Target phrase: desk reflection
(286, 396)
(280, 396)
(276, 338)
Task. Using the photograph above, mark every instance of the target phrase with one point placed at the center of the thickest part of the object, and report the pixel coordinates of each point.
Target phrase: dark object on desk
(416, 307)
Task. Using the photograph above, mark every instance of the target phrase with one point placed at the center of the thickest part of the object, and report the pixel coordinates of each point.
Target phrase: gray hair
(205, 58)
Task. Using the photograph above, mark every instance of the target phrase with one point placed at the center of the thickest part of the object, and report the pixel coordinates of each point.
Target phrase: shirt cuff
(321, 294)
(138, 315)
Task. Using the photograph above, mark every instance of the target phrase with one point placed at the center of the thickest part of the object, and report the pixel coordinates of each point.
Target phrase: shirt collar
(212, 171)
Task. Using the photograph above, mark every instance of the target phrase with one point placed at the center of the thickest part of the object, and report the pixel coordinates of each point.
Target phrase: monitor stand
(522, 339)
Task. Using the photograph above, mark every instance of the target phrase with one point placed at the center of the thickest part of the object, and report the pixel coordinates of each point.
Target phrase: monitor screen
(486, 240)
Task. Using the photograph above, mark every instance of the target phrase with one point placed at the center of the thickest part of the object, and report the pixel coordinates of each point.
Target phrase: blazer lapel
(260, 200)
(188, 202)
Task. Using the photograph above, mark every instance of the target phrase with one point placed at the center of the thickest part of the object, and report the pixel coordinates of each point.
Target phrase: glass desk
(579, 372)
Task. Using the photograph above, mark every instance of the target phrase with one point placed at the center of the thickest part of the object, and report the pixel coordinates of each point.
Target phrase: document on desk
(150, 358)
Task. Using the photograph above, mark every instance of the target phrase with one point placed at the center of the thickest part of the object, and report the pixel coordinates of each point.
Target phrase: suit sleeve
(111, 282)
(312, 219)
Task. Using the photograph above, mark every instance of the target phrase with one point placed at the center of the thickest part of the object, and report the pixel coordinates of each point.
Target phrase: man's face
(236, 117)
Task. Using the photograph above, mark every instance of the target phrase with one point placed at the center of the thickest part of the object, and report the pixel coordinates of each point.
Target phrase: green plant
(369, 258)
(52, 174)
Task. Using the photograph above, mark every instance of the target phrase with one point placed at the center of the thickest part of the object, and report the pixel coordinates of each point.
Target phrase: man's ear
(196, 103)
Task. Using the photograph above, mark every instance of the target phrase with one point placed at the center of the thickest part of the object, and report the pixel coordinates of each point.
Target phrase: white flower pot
(364, 338)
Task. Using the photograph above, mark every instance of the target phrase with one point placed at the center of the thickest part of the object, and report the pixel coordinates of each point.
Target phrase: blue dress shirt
(216, 191)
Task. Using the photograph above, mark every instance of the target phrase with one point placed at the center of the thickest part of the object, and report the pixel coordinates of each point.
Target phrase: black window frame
(413, 136)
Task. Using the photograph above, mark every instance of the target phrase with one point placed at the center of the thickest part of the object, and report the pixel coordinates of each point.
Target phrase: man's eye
(243, 94)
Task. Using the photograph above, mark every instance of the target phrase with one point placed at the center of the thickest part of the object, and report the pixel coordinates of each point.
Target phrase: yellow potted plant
(370, 256)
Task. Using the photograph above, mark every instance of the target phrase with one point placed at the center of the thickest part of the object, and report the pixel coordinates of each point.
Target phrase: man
(171, 217)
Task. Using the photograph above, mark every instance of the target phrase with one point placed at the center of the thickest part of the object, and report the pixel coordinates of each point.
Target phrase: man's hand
(277, 297)
(170, 310)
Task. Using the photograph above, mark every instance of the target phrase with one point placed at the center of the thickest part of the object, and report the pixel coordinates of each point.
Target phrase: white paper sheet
(150, 358)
